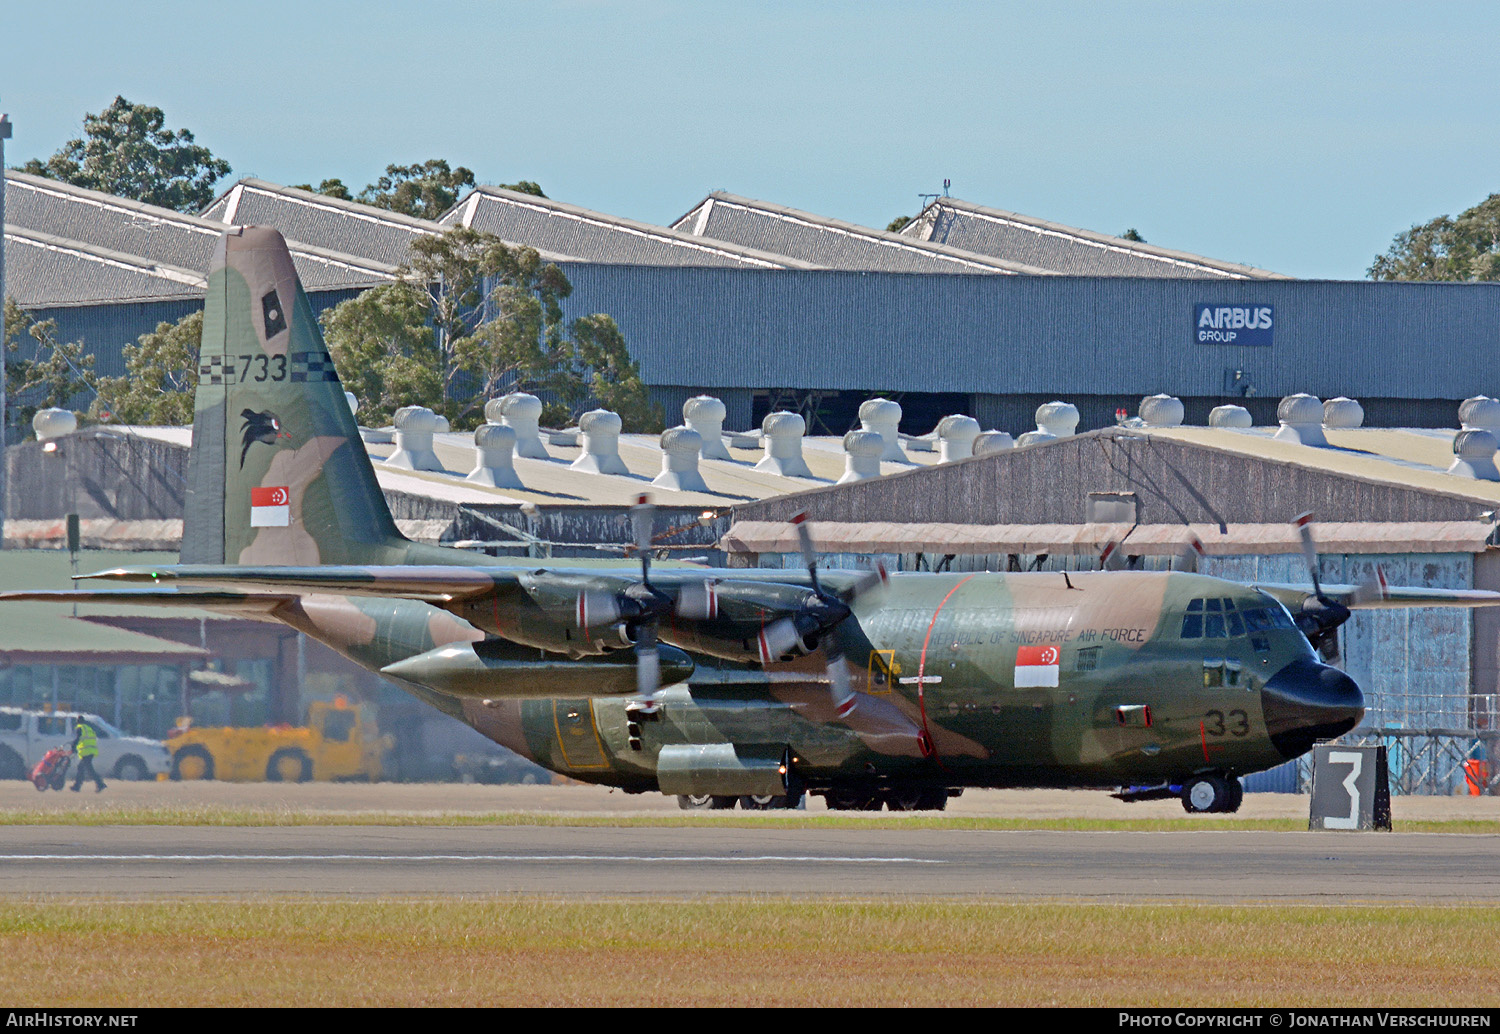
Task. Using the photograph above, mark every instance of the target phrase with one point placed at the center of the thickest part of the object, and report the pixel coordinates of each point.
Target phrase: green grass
(514, 951)
(225, 816)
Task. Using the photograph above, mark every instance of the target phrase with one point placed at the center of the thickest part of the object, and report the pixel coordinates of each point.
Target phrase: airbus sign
(1221, 324)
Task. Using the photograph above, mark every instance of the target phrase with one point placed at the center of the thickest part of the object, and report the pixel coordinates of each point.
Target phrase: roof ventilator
(1342, 413)
(522, 413)
(862, 452)
(599, 434)
(956, 434)
(1480, 413)
(705, 414)
(1230, 416)
(679, 460)
(993, 441)
(884, 418)
(782, 434)
(53, 423)
(1301, 419)
(1474, 455)
(1162, 411)
(1053, 420)
(414, 429)
(494, 457)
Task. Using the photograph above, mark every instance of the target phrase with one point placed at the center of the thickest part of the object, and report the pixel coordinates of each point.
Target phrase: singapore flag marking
(270, 508)
(1036, 666)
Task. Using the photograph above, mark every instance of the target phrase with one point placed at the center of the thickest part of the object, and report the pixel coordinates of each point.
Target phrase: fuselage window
(1213, 624)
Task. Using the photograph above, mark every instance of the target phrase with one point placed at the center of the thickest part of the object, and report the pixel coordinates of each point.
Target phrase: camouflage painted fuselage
(936, 654)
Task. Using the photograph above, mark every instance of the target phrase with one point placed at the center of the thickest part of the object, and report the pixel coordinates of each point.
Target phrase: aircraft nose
(1306, 702)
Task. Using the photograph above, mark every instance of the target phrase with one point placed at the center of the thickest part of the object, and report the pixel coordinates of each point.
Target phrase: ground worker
(86, 746)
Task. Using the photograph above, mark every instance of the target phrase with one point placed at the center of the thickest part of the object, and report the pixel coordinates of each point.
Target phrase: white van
(26, 735)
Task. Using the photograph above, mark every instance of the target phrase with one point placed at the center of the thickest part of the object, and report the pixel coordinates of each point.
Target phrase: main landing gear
(896, 799)
(750, 802)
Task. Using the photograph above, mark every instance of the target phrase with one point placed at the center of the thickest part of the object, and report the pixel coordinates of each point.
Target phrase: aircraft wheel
(905, 800)
(705, 802)
(933, 800)
(768, 801)
(1203, 794)
(1236, 796)
(848, 800)
(193, 762)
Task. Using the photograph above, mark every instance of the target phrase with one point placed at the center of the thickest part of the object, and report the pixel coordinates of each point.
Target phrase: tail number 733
(271, 368)
(1236, 723)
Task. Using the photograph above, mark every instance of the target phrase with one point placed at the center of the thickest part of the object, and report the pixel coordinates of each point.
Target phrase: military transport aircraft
(719, 686)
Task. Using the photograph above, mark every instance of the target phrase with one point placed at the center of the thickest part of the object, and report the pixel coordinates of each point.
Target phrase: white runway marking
(843, 860)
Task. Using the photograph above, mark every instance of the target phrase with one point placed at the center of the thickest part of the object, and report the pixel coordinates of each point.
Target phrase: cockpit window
(1218, 618)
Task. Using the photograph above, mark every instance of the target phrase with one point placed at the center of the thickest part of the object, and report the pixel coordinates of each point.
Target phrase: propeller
(652, 604)
(1320, 617)
(817, 617)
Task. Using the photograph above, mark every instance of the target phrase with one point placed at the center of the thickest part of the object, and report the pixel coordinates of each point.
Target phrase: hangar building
(969, 309)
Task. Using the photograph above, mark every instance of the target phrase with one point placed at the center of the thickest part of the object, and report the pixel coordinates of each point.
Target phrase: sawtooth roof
(556, 226)
(1062, 249)
(68, 244)
(41, 269)
(832, 243)
(348, 227)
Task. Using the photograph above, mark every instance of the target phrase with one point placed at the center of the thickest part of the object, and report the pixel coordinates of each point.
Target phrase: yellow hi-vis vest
(88, 741)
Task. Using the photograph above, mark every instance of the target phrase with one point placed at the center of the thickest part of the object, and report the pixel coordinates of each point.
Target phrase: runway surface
(574, 862)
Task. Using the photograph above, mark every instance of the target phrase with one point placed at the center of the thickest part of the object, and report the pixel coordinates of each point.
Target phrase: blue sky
(1298, 137)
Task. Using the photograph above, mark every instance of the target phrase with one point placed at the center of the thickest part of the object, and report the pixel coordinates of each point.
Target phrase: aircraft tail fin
(278, 473)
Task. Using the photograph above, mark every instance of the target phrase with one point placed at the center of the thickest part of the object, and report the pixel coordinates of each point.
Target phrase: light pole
(4, 136)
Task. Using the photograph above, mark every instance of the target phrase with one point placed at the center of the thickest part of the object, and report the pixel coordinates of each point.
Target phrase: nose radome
(1306, 702)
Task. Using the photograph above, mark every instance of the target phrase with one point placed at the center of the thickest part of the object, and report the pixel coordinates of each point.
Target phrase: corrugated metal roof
(328, 222)
(558, 227)
(1413, 457)
(1060, 248)
(1090, 539)
(143, 237)
(41, 269)
(831, 243)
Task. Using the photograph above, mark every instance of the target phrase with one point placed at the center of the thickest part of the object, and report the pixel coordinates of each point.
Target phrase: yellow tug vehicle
(339, 741)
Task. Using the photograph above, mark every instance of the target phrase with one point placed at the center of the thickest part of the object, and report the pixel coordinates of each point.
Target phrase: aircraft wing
(250, 604)
(1378, 596)
(439, 584)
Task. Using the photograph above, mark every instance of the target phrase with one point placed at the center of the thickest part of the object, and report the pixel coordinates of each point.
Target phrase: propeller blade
(878, 578)
(809, 555)
(643, 526)
(1112, 558)
(698, 601)
(647, 661)
(844, 699)
(1374, 589)
(1309, 550)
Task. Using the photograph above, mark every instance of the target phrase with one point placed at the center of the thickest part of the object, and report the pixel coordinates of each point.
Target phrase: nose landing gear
(1212, 794)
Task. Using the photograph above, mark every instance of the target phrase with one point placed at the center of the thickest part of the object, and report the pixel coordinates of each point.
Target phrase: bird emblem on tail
(260, 427)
